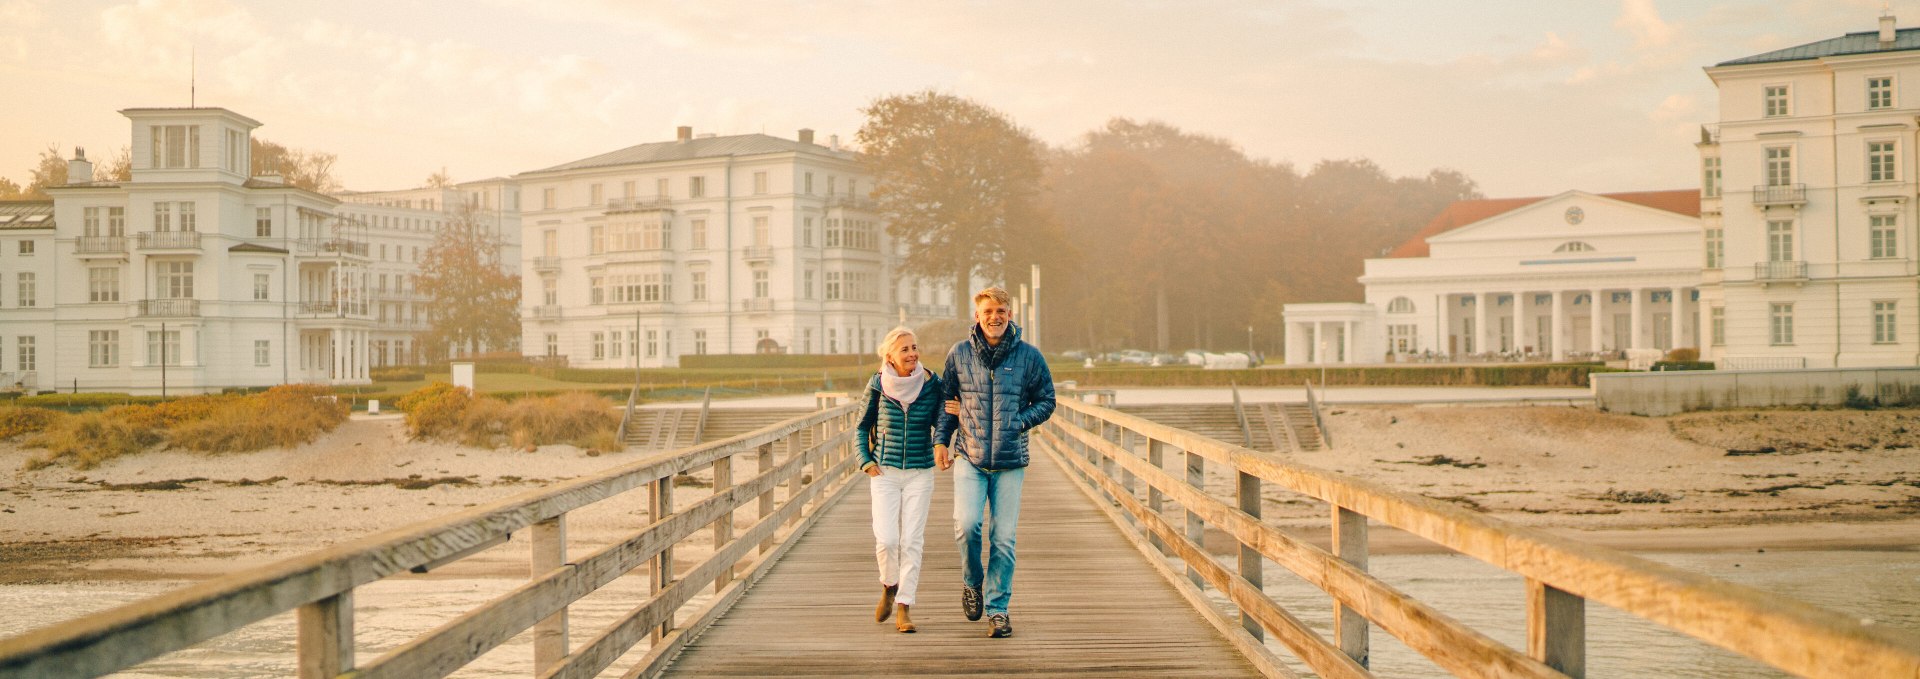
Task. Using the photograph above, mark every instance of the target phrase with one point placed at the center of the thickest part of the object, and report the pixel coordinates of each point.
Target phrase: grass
(442, 411)
(282, 416)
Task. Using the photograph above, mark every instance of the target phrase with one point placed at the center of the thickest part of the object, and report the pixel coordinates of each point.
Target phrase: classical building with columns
(1566, 276)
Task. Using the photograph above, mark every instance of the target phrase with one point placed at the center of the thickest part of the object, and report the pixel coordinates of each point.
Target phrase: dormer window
(1574, 246)
(175, 146)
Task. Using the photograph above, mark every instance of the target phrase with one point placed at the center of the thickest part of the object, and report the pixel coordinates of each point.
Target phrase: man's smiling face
(992, 317)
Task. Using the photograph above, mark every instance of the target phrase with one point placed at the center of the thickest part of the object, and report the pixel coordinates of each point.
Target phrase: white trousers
(900, 501)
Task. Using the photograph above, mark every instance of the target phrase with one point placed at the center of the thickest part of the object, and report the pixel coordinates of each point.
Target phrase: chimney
(1886, 29)
(833, 141)
(79, 170)
(686, 133)
(806, 136)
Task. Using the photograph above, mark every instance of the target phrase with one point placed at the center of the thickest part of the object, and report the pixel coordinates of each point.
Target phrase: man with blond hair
(996, 388)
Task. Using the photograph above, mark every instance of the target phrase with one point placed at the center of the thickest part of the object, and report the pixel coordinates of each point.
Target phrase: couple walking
(994, 388)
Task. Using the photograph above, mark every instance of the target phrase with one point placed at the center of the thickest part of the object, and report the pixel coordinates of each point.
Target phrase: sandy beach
(1736, 480)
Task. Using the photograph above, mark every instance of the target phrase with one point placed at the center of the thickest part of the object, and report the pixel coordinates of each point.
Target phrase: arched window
(1400, 305)
(1574, 246)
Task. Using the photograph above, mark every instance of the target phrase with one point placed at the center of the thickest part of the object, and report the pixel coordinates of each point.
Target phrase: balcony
(851, 202)
(762, 253)
(639, 204)
(652, 255)
(546, 264)
(1780, 271)
(96, 246)
(1766, 195)
(333, 309)
(170, 240)
(330, 246)
(169, 308)
(757, 305)
(547, 311)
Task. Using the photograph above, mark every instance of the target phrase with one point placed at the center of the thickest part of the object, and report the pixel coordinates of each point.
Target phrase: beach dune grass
(443, 411)
(287, 415)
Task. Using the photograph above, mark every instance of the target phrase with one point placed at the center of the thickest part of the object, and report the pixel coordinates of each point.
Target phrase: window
(656, 234)
(806, 340)
(1401, 339)
(759, 183)
(626, 189)
(90, 222)
(116, 222)
(699, 234)
(263, 222)
(699, 281)
(1880, 167)
(1718, 318)
(1884, 330)
(596, 240)
(103, 284)
(1780, 240)
(809, 183)
(28, 354)
(1716, 247)
(163, 216)
(26, 248)
(599, 345)
(806, 232)
(1880, 92)
(103, 348)
(596, 292)
(1883, 230)
(1399, 305)
(833, 285)
(548, 198)
(175, 146)
(549, 243)
(594, 197)
(833, 185)
(760, 232)
(1779, 166)
(660, 189)
(1574, 246)
(1710, 177)
(833, 340)
(1782, 324)
(187, 221)
(759, 283)
(696, 187)
(175, 280)
(613, 344)
(653, 343)
(163, 348)
(549, 292)
(807, 289)
(262, 353)
(553, 344)
(700, 342)
(26, 289)
(1776, 101)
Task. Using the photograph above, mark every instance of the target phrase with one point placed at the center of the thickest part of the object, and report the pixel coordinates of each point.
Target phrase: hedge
(1543, 375)
(750, 361)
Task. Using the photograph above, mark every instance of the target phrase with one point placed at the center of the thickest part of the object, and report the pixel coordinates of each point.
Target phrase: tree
(473, 303)
(955, 180)
(310, 170)
(10, 190)
(440, 180)
(118, 168)
(50, 171)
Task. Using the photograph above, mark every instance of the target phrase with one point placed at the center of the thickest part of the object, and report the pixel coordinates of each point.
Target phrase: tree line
(307, 169)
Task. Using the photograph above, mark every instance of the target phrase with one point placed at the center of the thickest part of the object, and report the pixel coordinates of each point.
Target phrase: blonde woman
(897, 454)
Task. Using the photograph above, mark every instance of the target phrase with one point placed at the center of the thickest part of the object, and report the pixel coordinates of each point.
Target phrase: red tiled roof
(1464, 212)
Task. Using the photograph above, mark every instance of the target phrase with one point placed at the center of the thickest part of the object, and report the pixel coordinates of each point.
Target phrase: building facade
(709, 245)
(1568, 276)
(1809, 205)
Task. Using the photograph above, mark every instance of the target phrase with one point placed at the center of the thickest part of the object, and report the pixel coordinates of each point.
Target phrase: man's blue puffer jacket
(1004, 391)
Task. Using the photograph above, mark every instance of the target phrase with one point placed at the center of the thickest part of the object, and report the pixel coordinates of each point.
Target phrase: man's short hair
(995, 293)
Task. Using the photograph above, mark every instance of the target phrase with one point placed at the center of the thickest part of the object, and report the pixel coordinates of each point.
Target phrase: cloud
(1641, 19)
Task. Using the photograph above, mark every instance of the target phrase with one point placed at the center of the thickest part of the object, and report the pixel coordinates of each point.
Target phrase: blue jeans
(975, 494)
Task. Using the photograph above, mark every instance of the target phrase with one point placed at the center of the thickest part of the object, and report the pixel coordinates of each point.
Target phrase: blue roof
(1865, 42)
(704, 147)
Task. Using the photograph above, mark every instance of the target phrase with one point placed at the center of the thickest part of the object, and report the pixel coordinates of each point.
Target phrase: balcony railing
(639, 204)
(936, 310)
(760, 304)
(169, 308)
(1780, 271)
(855, 202)
(1780, 194)
(546, 263)
(101, 245)
(170, 240)
(649, 255)
(546, 311)
(329, 308)
(757, 253)
(339, 246)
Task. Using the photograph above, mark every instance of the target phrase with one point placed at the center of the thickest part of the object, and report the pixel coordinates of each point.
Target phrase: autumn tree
(956, 181)
(310, 170)
(118, 168)
(51, 170)
(440, 179)
(10, 190)
(473, 303)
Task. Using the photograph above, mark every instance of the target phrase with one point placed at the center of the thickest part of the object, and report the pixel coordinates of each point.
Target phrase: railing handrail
(700, 425)
(626, 418)
(1790, 635)
(121, 637)
(1313, 403)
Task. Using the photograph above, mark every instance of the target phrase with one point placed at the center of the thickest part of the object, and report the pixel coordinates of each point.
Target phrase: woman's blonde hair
(894, 335)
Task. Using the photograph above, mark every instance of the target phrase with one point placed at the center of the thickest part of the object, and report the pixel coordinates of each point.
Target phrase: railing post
(1350, 544)
(723, 526)
(663, 564)
(325, 637)
(1250, 565)
(1196, 526)
(1156, 456)
(764, 458)
(549, 552)
(1557, 628)
(1126, 474)
(796, 447)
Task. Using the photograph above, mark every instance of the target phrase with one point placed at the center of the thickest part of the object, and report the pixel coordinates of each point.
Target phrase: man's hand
(942, 458)
(953, 407)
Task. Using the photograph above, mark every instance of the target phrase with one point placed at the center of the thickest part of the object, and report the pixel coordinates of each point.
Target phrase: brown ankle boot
(885, 609)
(905, 624)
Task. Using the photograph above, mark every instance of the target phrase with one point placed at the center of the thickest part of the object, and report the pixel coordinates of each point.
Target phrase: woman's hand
(873, 470)
(953, 407)
(941, 457)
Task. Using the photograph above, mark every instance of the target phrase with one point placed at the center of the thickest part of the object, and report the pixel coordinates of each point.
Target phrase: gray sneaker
(970, 602)
(1000, 625)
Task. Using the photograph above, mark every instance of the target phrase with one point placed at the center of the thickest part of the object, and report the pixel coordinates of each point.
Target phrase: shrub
(86, 400)
(445, 412)
(566, 418)
(434, 409)
(91, 438)
(1684, 355)
(397, 374)
(1681, 365)
(17, 420)
(285, 416)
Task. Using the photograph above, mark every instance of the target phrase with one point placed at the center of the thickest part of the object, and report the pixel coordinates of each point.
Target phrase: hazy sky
(1526, 96)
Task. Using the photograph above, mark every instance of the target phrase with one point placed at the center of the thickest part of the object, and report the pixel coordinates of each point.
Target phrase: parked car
(1131, 357)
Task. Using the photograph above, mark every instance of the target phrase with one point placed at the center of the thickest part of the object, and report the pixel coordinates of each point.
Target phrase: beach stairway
(1275, 427)
(663, 429)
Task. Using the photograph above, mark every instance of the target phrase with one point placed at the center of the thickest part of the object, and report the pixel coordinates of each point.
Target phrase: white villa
(736, 244)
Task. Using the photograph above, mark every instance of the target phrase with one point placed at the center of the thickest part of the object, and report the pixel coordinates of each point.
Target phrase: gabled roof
(254, 247)
(1463, 212)
(707, 147)
(1864, 42)
(26, 214)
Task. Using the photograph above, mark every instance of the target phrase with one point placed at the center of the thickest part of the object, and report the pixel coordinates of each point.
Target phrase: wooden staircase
(662, 429)
(1275, 427)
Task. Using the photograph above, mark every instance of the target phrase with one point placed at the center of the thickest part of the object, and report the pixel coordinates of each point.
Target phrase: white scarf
(902, 389)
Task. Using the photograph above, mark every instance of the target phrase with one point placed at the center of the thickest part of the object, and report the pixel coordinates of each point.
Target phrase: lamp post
(1249, 343)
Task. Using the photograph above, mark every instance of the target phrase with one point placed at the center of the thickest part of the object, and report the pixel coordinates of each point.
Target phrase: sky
(1527, 97)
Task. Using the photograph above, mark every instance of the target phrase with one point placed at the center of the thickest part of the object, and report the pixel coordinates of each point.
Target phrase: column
(1522, 330)
(1705, 338)
(1593, 309)
(1678, 318)
(1346, 341)
(1635, 325)
(1445, 331)
(1318, 350)
(1480, 303)
(1558, 330)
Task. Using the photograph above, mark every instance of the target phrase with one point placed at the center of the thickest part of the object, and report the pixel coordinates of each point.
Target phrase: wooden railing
(1104, 447)
(320, 585)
